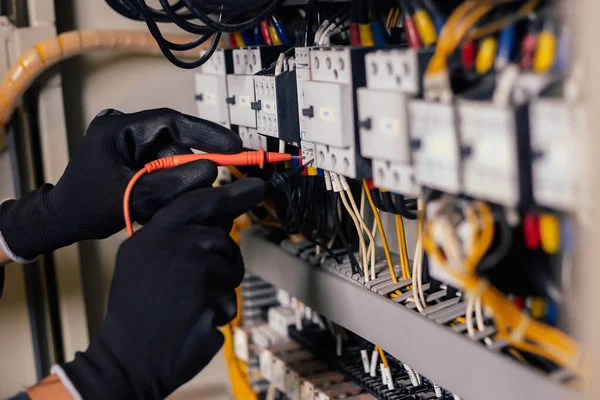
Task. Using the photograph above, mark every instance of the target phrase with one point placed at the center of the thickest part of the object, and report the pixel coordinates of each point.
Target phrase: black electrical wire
(401, 207)
(340, 233)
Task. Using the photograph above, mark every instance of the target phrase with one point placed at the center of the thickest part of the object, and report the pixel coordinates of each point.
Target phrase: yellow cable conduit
(50, 52)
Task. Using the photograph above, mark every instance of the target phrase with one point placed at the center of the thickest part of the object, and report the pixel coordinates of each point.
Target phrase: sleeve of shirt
(20, 396)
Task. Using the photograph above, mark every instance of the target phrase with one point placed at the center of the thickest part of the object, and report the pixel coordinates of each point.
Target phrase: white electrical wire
(469, 316)
(363, 225)
(279, 64)
(480, 320)
(337, 187)
(271, 392)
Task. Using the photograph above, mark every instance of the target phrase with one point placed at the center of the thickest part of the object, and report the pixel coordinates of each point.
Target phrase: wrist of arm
(51, 388)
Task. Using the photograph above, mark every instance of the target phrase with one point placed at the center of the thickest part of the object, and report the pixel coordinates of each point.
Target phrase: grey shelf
(453, 361)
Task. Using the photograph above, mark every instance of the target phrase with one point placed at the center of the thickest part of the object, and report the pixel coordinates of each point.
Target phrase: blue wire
(283, 36)
(258, 39)
(506, 46)
(379, 36)
(248, 38)
(439, 23)
(563, 53)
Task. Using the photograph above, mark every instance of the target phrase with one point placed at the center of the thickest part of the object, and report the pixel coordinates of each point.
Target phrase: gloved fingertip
(109, 111)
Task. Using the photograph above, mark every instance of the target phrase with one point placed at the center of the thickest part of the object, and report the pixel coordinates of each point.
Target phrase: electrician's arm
(51, 388)
(86, 203)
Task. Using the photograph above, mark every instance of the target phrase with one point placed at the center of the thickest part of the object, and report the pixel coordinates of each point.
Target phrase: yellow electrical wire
(390, 18)
(402, 250)
(366, 35)
(545, 53)
(550, 233)
(396, 18)
(382, 356)
(486, 55)
(425, 26)
(497, 26)
(239, 40)
(384, 241)
(525, 334)
(274, 36)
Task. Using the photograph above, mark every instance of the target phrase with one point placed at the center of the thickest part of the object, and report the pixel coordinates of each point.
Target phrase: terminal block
(211, 87)
(330, 114)
(398, 70)
(251, 139)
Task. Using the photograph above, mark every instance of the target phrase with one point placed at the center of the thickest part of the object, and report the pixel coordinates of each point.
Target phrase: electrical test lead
(260, 158)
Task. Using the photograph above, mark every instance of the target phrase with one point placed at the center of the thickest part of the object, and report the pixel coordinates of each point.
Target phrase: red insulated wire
(412, 34)
(528, 47)
(531, 231)
(264, 31)
(468, 53)
(232, 41)
(354, 34)
(519, 301)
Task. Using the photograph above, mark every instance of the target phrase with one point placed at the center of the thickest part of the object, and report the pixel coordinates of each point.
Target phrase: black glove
(87, 202)
(173, 285)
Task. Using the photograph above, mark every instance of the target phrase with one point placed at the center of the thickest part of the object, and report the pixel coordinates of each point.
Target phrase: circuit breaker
(393, 76)
(329, 109)
(251, 139)
(211, 87)
(435, 145)
(557, 142)
(247, 61)
(495, 152)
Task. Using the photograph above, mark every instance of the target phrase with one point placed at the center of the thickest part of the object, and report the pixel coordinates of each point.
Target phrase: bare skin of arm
(49, 389)
(4, 258)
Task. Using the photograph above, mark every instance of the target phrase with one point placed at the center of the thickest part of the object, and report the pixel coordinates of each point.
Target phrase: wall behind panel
(127, 83)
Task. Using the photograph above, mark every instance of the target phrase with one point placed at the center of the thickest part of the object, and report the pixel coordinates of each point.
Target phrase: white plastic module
(266, 116)
(385, 139)
(435, 145)
(240, 98)
(247, 61)
(327, 112)
(489, 147)
(330, 105)
(302, 55)
(394, 69)
(558, 144)
(211, 91)
(251, 139)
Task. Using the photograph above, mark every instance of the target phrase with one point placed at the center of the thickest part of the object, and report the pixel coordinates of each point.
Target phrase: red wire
(531, 231)
(468, 53)
(412, 34)
(264, 31)
(354, 34)
(232, 41)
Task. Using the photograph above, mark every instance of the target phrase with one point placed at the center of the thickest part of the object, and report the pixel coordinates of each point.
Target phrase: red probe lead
(260, 158)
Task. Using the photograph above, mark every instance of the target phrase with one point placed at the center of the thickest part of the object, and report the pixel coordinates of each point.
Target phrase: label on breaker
(365, 360)
(269, 107)
(327, 114)
(390, 126)
(388, 378)
(411, 375)
(209, 98)
(383, 374)
(438, 390)
(245, 101)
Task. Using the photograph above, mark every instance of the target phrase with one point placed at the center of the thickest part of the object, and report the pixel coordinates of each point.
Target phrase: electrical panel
(251, 139)
(211, 87)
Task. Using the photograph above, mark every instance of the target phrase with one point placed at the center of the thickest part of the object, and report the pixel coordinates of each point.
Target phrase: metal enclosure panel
(460, 365)
(557, 142)
(396, 70)
(266, 117)
(489, 143)
(332, 120)
(384, 127)
(241, 89)
(211, 91)
(435, 143)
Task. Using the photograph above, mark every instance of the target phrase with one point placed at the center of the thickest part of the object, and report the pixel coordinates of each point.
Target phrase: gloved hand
(173, 285)
(87, 201)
